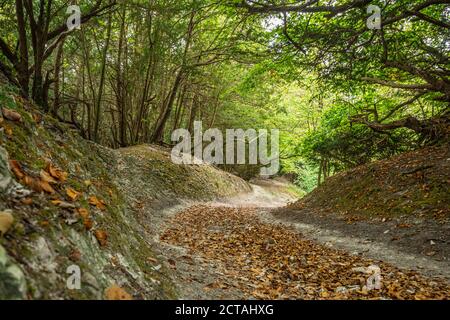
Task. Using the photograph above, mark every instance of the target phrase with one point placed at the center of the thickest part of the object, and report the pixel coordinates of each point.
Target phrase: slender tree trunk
(167, 109)
(159, 132)
(58, 63)
(179, 110)
(98, 102)
(216, 107)
(143, 101)
(90, 84)
(120, 85)
(321, 166)
(193, 113)
(22, 65)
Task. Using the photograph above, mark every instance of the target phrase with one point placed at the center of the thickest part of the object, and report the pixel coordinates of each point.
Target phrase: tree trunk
(98, 102)
(159, 131)
(58, 63)
(319, 179)
(22, 65)
(120, 85)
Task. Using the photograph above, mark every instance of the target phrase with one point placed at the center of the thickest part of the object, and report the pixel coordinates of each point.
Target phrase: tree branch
(303, 8)
(397, 85)
(95, 11)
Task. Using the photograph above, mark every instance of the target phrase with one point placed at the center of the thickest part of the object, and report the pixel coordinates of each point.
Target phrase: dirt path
(237, 249)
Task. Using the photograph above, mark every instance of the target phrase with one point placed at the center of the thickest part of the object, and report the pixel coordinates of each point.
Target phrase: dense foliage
(341, 93)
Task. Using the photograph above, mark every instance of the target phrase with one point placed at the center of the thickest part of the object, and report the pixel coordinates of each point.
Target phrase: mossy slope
(48, 237)
(413, 184)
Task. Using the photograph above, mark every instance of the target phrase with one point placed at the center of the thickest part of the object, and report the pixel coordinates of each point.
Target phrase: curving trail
(236, 249)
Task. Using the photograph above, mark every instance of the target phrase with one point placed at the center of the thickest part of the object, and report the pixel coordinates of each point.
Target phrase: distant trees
(341, 93)
(136, 70)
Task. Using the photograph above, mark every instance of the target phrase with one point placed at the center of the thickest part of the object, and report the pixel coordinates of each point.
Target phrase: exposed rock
(12, 280)
(5, 173)
(6, 221)
(7, 184)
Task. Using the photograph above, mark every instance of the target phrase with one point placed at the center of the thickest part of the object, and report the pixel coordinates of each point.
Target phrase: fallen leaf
(32, 183)
(56, 172)
(11, 115)
(295, 267)
(85, 217)
(46, 186)
(102, 237)
(37, 118)
(100, 204)
(84, 213)
(152, 260)
(8, 131)
(6, 221)
(37, 185)
(27, 201)
(16, 169)
(419, 296)
(88, 223)
(63, 204)
(75, 255)
(44, 223)
(72, 194)
(117, 293)
(46, 177)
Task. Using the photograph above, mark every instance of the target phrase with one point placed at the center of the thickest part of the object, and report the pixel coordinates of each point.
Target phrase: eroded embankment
(75, 204)
(397, 210)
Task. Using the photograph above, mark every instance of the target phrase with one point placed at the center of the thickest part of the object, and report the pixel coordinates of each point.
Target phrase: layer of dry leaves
(273, 262)
(51, 181)
(48, 177)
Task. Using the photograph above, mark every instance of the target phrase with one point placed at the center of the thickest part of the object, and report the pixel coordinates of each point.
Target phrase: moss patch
(412, 184)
